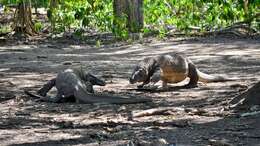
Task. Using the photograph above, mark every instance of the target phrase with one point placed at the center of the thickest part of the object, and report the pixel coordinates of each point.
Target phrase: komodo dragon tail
(84, 97)
(203, 77)
(99, 98)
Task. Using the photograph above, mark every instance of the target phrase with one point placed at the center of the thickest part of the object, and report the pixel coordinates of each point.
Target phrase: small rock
(65, 124)
(22, 58)
(22, 114)
(239, 86)
(155, 142)
(67, 63)
(41, 56)
(222, 142)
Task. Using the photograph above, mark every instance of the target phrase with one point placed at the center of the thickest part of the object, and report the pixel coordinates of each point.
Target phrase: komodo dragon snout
(138, 75)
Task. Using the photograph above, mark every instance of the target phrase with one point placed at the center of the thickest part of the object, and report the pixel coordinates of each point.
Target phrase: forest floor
(31, 63)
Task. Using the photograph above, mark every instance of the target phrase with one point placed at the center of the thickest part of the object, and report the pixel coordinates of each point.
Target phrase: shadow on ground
(29, 65)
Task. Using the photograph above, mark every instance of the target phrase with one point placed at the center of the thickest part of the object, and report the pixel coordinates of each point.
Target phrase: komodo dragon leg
(47, 87)
(193, 75)
(155, 78)
(56, 99)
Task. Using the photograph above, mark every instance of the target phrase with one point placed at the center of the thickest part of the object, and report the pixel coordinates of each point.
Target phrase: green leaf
(85, 21)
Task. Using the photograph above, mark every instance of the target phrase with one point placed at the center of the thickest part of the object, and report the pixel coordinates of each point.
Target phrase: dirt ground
(29, 64)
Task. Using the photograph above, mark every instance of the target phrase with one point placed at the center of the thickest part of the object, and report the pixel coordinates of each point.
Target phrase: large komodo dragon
(78, 84)
(173, 68)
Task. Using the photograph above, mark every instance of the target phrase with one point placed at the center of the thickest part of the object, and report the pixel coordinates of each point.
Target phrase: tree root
(156, 111)
(174, 110)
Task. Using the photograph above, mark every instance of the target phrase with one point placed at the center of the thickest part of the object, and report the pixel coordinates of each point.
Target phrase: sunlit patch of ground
(28, 66)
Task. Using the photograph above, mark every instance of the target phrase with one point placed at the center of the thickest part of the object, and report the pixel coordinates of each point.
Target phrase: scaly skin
(174, 68)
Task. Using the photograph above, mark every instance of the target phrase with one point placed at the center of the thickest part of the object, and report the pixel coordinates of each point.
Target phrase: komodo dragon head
(139, 75)
(94, 80)
(144, 71)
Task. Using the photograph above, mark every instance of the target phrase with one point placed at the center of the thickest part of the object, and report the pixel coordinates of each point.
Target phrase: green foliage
(83, 13)
(120, 27)
(204, 14)
(98, 43)
(97, 15)
(40, 3)
(6, 2)
(38, 26)
(35, 3)
(5, 29)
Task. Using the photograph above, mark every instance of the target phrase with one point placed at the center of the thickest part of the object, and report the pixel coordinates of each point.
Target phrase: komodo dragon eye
(142, 72)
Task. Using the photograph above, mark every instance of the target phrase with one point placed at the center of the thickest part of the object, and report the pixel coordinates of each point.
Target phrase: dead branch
(152, 142)
(222, 142)
(172, 110)
(179, 124)
(250, 114)
(156, 111)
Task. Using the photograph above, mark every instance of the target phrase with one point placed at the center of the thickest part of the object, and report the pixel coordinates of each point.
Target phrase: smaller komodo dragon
(78, 84)
(173, 68)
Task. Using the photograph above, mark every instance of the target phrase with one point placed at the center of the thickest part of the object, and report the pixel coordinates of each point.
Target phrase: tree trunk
(52, 5)
(133, 10)
(23, 19)
(245, 4)
(36, 7)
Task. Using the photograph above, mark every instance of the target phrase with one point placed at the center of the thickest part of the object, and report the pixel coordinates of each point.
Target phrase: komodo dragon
(173, 68)
(78, 84)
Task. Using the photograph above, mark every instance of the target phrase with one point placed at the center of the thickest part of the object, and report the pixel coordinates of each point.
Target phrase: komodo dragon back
(67, 81)
(176, 67)
(70, 79)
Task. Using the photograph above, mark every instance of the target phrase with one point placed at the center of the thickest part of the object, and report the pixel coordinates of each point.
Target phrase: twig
(250, 114)
(222, 142)
(156, 111)
(179, 124)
